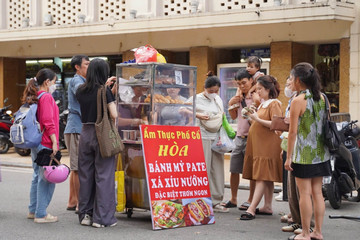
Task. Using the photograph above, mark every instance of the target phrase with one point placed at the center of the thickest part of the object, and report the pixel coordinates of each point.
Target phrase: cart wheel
(333, 194)
(129, 212)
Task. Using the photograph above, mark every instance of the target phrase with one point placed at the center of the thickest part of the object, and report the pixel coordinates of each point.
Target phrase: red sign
(176, 175)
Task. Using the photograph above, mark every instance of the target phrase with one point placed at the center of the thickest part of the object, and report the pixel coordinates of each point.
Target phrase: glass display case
(155, 94)
(226, 74)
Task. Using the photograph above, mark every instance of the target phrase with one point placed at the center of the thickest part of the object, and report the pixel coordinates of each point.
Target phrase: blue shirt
(74, 124)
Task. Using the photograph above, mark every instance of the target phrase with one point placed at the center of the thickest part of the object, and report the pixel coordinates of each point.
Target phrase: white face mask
(288, 92)
(52, 88)
(211, 96)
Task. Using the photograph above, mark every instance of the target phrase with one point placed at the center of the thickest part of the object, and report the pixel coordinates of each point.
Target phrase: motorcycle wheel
(23, 152)
(333, 194)
(4, 146)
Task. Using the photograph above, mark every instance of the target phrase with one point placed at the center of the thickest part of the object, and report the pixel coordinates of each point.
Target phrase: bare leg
(319, 207)
(252, 190)
(268, 196)
(304, 186)
(74, 189)
(234, 185)
(258, 194)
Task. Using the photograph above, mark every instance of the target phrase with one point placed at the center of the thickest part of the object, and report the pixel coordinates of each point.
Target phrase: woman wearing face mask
(209, 107)
(39, 91)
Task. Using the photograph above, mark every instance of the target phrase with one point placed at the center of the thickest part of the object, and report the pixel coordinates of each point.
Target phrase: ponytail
(30, 92)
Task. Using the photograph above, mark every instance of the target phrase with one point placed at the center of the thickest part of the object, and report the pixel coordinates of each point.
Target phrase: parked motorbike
(345, 177)
(6, 120)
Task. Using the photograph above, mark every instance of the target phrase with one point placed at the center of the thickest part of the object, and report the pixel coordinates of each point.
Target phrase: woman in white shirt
(209, 111)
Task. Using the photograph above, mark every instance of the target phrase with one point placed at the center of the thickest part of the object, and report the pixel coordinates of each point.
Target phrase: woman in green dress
(308, 158)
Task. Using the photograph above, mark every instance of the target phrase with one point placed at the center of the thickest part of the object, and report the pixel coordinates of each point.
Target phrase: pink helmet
(56, 174)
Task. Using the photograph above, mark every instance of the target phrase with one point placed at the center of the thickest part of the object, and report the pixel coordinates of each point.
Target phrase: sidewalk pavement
(12, 159)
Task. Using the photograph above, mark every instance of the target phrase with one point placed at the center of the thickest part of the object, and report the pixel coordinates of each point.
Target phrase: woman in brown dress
(262, 162)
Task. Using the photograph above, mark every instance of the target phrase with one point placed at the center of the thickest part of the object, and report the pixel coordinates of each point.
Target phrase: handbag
(331, 134)
(213, 124)
(120, 186)
(228, 128)
(44, 157)
(278, 124)
(222, 143)
(107, 134)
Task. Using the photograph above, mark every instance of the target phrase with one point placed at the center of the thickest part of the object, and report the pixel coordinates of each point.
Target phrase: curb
(10, 164)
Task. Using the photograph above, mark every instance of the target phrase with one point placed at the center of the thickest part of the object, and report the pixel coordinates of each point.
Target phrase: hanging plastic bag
(222, 143)
(120, 186)
(228, 128)
(145, 54)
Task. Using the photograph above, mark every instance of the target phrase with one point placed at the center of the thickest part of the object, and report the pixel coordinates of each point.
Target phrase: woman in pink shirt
(39, 91)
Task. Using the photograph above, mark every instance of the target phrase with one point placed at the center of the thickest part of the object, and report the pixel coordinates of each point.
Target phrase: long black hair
(96, 75)
(309, 76)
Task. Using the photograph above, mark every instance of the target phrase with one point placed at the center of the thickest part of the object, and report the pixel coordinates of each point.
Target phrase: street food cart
(155, 94)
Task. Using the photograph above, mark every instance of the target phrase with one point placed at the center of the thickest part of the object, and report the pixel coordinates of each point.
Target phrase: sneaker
(86, 221)
(47, 219)
(299, 231)
(220, 208)
(291, 227)
(31, 216)
(98, 225)
(279, 197)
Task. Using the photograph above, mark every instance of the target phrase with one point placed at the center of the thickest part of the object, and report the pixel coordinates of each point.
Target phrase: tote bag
(107, 134)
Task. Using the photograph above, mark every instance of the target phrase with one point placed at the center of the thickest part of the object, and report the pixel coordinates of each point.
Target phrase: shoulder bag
(107, 134)
(278, 124)
(214, 123)
(331, 134)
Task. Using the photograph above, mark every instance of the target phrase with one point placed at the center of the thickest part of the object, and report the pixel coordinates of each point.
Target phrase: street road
(14, 198)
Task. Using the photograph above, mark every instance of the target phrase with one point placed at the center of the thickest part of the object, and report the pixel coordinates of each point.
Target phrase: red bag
(145, 54)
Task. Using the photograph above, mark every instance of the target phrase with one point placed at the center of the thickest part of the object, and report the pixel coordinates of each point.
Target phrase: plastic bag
(120, 186)
(145, 54)
(222, 143)
(229, 130)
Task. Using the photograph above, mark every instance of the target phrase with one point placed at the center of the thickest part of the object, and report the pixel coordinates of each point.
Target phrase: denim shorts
(237, 155)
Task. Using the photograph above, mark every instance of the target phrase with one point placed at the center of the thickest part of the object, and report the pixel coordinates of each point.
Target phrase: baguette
(195, 212)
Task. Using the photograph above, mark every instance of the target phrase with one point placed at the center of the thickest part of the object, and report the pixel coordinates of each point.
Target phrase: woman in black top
(96, 174)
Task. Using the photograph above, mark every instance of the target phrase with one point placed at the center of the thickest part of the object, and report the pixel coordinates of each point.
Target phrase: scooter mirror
(8, 112)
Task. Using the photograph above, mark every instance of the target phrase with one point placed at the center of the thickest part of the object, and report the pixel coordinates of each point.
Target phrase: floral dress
(311, 154)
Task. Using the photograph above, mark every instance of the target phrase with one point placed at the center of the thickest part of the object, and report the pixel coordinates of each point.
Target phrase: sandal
(247, 216)
(244, 206)
(229, 204)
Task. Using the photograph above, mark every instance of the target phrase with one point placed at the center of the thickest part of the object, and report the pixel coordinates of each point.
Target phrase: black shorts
(311, 170)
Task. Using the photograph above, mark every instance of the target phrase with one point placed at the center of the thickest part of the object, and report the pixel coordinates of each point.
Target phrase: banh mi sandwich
(195, 212)
(204, 207)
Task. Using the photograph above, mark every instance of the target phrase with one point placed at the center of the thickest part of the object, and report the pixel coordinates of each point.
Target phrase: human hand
(287, 120)
(135, 122)
(235, 100)
(254, 116)
(287, 164)
(110, 81)
(203, 116)
(55, 148)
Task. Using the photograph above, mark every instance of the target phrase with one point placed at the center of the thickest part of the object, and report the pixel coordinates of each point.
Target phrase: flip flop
(257, 212)
(244, 206)
(71, 208)
(247, 216)
(229, 204)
